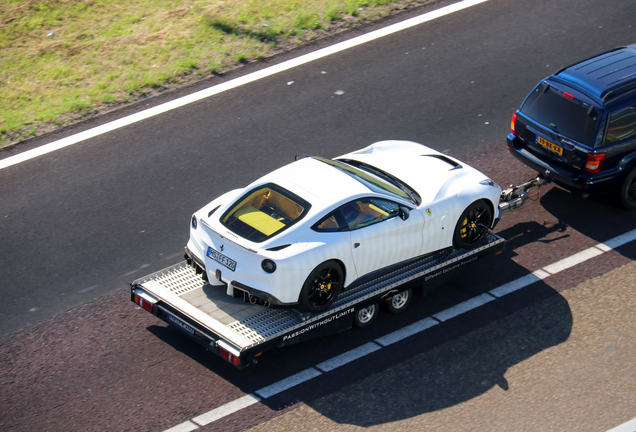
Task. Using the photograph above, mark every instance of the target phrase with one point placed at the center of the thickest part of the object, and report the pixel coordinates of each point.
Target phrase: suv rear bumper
(606, 181)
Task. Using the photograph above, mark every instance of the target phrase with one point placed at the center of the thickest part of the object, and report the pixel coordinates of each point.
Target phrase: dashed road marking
(630, 426)
(226, 409)
(348, 357)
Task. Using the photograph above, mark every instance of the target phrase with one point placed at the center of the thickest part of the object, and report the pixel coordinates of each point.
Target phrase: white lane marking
(237, 82)
(225, 410)
(429, 322)
(348, 357)
(617, 241)
(516, 284)
(186, 426)
(464, 307)
(288, 383)
(630, 426)
(407, 331)
(573, 260)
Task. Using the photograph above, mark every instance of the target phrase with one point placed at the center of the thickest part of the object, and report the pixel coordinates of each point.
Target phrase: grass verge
(65, 60)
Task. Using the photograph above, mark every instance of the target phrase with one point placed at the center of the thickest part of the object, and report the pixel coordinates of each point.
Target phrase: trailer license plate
(181, 324)
(219, 257)
(552, 146)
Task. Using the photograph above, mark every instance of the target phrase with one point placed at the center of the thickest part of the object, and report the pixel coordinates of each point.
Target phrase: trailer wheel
(399, 301)
(321, 287)
(365, 316)
(628, 190)
(473, 225)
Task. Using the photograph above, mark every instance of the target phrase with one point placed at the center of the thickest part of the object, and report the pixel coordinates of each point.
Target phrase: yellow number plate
(552, 146)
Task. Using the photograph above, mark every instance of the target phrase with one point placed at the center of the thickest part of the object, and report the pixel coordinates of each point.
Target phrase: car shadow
(598, 217)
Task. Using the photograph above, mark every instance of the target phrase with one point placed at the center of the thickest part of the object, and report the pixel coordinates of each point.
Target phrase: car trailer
(240, 332)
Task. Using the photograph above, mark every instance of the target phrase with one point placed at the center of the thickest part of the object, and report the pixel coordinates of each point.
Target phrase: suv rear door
(558, 126)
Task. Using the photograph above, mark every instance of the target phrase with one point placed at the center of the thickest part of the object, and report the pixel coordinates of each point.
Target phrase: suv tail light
(594, 162)
(513, 124)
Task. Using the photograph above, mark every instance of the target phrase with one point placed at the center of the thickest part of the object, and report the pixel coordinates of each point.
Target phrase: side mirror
(404, 213)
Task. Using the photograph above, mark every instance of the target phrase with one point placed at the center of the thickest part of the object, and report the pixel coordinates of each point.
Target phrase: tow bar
(515, 196)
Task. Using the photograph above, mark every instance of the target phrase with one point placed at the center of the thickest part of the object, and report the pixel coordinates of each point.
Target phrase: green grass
(61, 60)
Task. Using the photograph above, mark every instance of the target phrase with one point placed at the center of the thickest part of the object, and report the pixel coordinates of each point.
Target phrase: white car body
(446, 187)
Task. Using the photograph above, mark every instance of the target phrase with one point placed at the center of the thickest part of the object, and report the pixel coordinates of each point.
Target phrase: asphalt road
(78, 224)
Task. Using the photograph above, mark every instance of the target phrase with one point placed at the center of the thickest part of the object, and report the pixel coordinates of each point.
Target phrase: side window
(622, 125)
(368, 211)
(333, 222)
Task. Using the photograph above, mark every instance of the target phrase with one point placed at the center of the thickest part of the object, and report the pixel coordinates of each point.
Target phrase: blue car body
(578, 126)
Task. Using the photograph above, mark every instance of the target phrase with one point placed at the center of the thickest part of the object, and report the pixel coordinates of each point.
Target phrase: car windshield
(562, 113)
(413, 195)
(387, 185)
(264, 212)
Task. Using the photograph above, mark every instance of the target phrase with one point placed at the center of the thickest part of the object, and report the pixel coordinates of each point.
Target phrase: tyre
(473, 225)
(321, 287)
(399, 301)
(628, 190)
(365, 316)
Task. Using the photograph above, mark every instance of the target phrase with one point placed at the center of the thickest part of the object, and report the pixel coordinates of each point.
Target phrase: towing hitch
(515, 196)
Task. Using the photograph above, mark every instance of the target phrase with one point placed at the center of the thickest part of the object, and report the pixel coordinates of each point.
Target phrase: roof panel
(601, 74)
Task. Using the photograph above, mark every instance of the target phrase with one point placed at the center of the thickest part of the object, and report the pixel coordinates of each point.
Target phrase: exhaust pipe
(258, 301)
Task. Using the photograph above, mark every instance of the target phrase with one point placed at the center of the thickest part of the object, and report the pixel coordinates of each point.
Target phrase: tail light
(513, 124)
(145, 304)
(594, 163)
(229, 356)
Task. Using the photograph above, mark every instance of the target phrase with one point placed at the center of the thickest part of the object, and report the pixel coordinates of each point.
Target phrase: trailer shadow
(446, 365)
(449, 364)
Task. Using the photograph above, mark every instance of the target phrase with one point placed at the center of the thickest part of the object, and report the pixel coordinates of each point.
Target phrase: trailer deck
(240, 331)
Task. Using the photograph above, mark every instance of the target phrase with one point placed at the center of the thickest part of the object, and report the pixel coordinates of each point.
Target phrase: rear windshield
(264, 212)
(569, 117)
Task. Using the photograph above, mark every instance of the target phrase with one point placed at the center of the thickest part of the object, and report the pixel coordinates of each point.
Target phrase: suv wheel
(628, 190)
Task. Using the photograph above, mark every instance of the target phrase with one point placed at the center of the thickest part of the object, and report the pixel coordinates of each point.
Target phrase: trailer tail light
(594, 162)
(513, 124)
(229, 356)
(145, 304)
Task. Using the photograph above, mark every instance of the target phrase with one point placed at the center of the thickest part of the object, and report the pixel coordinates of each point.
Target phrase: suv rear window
(548, 106)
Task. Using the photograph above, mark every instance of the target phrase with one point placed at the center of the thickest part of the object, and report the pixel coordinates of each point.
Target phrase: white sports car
(303, 233)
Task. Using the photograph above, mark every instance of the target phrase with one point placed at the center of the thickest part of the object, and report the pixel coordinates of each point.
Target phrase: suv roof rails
(605, 77)
(587, 59)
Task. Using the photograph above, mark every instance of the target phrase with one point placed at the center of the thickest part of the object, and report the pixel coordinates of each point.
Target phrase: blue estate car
(578, 126)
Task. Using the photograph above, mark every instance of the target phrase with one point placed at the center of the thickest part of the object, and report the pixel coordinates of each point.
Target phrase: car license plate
(181, 324)
(220, 258)
(550, 145)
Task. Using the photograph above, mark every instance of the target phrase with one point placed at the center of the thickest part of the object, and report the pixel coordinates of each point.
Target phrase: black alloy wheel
(321, 287)
(473, 225)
